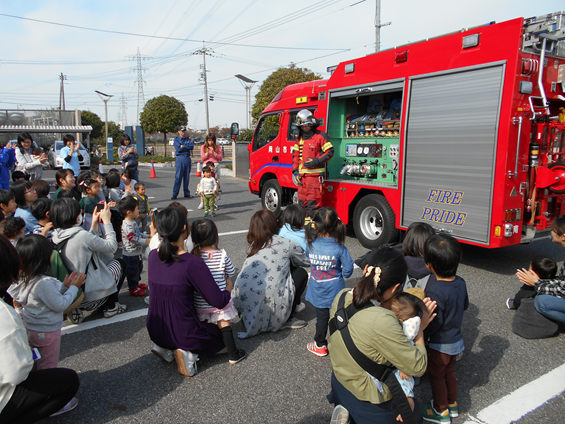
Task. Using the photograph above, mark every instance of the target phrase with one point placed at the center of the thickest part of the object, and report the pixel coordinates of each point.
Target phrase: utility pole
(141, 102)
(105, 98)
(203, 78)
(379, 25)
(62, 92)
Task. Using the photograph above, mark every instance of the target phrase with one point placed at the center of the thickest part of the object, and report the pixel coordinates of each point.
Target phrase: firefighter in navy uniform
(311, 151)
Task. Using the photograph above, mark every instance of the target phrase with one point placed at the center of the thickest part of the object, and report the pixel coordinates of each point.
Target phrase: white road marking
(525, 399)
(233, 233)
(150, 197)
(103, 322)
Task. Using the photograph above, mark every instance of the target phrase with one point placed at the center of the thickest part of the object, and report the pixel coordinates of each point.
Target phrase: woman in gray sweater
(86, 252)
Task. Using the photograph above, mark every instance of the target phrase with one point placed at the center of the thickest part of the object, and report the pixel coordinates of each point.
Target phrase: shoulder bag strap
(381, 372)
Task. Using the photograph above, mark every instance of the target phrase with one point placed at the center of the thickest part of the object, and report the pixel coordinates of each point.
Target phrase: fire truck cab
(464, 131)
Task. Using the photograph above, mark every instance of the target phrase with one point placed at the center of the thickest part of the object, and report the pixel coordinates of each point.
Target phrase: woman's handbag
(530, 324)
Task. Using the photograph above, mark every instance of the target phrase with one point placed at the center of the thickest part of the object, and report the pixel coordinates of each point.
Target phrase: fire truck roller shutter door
(450, 148)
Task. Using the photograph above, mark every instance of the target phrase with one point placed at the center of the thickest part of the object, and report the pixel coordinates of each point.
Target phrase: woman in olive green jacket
(378, 334)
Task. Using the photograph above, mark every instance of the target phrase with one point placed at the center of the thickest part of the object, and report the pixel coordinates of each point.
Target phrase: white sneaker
(201, 206)
(118, 309)
(163, 353)
(299, 307)
(340, 415)
(186, 362)
(147, 300)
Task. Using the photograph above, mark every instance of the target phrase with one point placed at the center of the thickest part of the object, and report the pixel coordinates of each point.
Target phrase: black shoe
(174, 197)
(189, 196)
(237, 359)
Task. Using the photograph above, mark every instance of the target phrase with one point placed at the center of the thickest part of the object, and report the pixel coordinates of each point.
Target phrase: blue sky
(34, 54)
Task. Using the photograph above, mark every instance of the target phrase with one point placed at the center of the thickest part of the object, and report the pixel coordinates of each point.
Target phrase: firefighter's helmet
(305, 117)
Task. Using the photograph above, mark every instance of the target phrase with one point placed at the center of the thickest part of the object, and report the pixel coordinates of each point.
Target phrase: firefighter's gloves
(297, 178)
(313, 163)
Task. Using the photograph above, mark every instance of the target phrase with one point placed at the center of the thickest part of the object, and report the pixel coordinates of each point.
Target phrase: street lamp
(105, 98)
(247, 83)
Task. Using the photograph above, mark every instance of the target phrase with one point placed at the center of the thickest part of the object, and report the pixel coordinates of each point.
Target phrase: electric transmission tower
(62, 92)
(141, 102)
(123, 108)
(203, 77)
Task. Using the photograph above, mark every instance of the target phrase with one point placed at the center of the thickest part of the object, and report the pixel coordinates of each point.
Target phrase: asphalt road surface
(280, 381)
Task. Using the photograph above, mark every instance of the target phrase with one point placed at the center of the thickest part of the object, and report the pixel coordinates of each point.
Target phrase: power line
(161, 37)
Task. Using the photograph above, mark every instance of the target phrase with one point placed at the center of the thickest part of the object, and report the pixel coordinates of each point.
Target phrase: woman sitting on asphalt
(86, 252)
(267, 291)
(174, 275)
(378, 334)
(550, 293)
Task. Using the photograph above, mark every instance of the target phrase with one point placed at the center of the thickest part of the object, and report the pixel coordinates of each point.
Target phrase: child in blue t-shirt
(442, 255)
(330, 264)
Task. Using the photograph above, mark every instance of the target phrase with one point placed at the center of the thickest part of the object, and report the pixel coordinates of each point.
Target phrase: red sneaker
(318, 351)
(138, 292)
(142, 285)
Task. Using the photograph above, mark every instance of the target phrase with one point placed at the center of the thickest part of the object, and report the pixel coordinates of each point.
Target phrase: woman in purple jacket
(173, 276)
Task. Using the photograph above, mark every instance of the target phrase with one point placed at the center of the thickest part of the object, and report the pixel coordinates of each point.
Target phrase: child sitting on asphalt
(134, 244)
(208, 189)
(40, 210)
(442, 255)
(544, 268)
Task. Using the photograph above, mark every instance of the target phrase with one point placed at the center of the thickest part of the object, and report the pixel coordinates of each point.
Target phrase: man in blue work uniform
(183, 150)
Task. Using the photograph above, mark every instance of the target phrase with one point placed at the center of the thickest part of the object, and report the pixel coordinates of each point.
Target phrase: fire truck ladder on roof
(544, 34)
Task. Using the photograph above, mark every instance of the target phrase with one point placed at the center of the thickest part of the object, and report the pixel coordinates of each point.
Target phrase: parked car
(55, 160)
(224, 142)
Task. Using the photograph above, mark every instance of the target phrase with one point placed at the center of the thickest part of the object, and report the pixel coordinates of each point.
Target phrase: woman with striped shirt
(205, 238)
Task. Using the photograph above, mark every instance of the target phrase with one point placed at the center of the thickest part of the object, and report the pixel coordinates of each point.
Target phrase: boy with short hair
(442, 255)
(144, 206)
(544, 268)
(133, 245)
(40, 210)
(8, 204)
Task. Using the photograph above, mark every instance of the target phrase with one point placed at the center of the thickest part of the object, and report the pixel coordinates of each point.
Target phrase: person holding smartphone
(70, 153)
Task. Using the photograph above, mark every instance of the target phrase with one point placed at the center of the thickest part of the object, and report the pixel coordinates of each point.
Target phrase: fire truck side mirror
(234, 130)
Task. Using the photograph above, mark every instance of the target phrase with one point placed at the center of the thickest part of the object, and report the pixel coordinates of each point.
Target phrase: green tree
(245, 135)
(92, 119)
(276, 82)
(163, 114)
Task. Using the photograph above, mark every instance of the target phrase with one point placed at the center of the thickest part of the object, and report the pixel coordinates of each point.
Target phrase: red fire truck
(464, 131)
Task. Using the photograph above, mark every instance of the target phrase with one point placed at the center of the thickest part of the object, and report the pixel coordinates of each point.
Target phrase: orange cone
(100, 170)
(153, 172)
(199, 169)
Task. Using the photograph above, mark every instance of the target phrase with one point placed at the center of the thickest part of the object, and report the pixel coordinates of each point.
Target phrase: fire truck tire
(272, 196)
(374, 221)
(559, 187)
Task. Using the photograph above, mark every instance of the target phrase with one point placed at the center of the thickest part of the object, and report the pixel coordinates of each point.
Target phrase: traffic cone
(199, 169)
(153, 171)
(100, 170)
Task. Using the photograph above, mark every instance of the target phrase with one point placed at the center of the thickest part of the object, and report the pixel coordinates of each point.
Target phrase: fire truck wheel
(374, 221)
(559, 169)
(272, 196)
